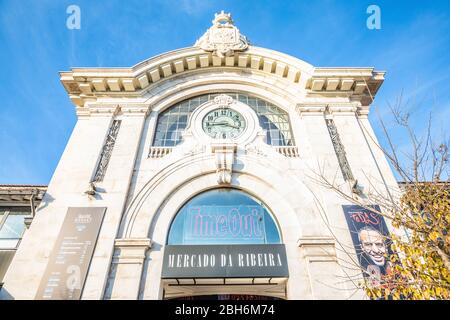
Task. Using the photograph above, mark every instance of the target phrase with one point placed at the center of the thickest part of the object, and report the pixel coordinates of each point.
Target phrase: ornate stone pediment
(223, 38)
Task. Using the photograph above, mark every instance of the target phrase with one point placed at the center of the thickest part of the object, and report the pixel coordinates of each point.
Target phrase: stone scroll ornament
(370, 237)
(222, 38)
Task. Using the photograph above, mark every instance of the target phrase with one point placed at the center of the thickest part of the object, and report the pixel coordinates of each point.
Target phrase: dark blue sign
(225, 261)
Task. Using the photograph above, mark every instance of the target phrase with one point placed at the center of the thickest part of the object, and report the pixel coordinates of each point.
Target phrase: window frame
(3, 219)
(271, 118)
(261, 203)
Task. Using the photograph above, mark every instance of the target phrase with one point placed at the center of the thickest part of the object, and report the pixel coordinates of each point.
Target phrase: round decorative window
(223, 216)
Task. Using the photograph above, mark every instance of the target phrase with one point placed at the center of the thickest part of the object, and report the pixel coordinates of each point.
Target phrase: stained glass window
(274, 120)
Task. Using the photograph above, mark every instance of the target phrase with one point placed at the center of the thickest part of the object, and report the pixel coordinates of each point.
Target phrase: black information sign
(69, 261)
(225, 261)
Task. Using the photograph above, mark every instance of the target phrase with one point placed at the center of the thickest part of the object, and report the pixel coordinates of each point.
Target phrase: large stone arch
(175, 165)
(181, 87)
(148, 200)
(188, 86)
(244, 60)
(291, 206)
(162, 187)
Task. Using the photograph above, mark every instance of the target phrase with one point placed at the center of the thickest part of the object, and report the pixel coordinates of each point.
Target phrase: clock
(223, 123)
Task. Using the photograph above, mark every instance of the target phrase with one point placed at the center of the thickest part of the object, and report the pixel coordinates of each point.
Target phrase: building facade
(194, 173)
(17, 209)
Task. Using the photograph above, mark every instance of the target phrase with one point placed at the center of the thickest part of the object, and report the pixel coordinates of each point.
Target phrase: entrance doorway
(232, 289)
(224, 244)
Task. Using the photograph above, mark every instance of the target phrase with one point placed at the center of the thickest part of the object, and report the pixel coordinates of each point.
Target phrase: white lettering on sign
(226, 260)
(222, 261)
(209, 260)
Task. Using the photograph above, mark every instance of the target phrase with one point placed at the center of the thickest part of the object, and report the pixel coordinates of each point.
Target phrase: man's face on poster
(372, 243)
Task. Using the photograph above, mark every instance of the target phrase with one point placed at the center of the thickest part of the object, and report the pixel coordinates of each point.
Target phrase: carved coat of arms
(223, 38)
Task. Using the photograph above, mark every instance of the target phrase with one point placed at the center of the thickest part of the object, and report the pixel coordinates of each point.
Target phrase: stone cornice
(109, 110)
(318, 248)
(336, 109)
(87, 84)
(132, 243)
(363, 112)
(342, 109)
(361, 84)
(310, 110)
(315, 241)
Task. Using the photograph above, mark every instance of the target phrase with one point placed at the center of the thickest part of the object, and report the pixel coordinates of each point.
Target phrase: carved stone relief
(340, 151)
(224, 155)
(222, 38)
(106, 151)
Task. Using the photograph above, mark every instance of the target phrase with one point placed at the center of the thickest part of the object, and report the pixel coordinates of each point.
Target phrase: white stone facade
(144, 186)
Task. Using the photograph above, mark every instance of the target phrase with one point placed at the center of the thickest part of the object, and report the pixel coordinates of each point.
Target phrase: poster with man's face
(370, 238)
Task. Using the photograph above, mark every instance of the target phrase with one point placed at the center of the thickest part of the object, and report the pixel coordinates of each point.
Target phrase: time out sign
(232, 224)
(225, 261)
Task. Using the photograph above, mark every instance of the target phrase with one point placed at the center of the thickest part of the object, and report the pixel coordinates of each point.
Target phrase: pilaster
(127, 262)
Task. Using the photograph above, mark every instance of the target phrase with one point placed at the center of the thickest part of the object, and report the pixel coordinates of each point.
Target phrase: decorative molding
(81, 112)
(159, 152)
(93, 109)
(258, 146)
(256, 149)
(222, 38)
(315, 241)
(131, 250)
(223, 100)
(287, 151)
(337, 108)
(135, 110)
(363, 112)
(339, 150)
(192, 148)
(278, 66)
(318, 248)
(22, 195)
(342, 109)
(133, 243)
(104, 110)
(310, 109)
(224, 156)
(27, 221)
(106, 151)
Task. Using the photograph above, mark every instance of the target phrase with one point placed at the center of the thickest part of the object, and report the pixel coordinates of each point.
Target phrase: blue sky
(37, 117)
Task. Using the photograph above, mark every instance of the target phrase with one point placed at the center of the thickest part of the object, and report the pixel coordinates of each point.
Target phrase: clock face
(223, 123)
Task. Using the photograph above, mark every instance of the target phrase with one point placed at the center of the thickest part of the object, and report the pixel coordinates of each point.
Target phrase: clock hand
(225, 124)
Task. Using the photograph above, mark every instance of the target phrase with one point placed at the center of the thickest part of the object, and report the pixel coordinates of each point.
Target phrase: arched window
(173, 121)
(223, 216)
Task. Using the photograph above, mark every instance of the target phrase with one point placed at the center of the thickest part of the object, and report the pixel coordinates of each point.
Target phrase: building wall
(142, 194)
